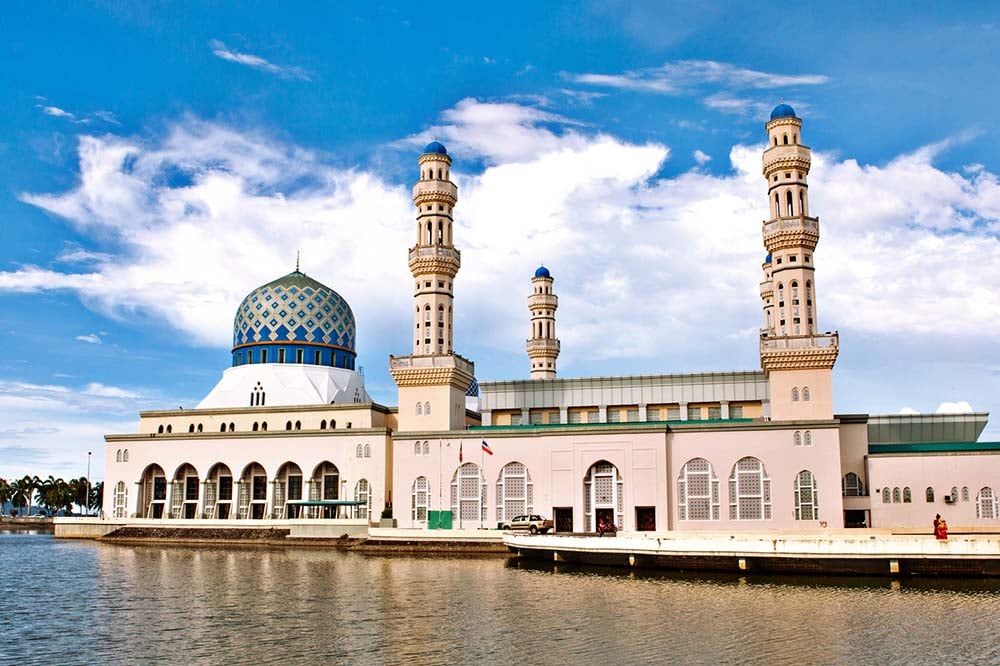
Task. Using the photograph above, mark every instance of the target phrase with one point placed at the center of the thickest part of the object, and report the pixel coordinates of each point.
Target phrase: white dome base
(286, 384)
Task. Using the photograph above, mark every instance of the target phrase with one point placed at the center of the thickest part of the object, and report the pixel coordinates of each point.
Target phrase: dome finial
(297, 261)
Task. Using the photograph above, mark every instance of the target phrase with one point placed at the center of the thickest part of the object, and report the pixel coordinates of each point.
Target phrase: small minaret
(433, 380)
(796, 358)
(543, 345)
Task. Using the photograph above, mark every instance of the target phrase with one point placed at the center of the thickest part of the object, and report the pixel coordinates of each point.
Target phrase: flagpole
(482, 464)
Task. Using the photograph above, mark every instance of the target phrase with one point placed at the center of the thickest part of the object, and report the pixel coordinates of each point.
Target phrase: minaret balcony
(799, 223)
(766, 289)
(799, 342)
(435, 259)
(431, 361)
(542, 346)
(786, 157)
(435, 191)
(548, 301)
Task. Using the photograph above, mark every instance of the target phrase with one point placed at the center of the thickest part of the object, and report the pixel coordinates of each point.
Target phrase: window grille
(749, 491)
(929, 494)
(603, 489)
(907, 496)
(514, 491)
(806, 500)
(885, 495)
(965, 489)
(420, 496)
(363, 494)
(535, 418)
(986, 504)
(574, 417)
(852, 485)
(468, 494)
(797, 438)
(698, 491)
(896, 496)
(427, 448)
(121, 500)
(593, 416)
(673, 413)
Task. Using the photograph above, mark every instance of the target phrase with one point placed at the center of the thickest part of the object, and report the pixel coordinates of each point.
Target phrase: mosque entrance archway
(153, 492)
(325, 485)
(252, 500)
(603, 496)
(185, 492)
(219, 493)
(287, 488)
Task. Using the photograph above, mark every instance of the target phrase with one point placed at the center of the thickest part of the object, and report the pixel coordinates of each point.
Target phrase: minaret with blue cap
(797, 359)
(543, 345)
(433, 380)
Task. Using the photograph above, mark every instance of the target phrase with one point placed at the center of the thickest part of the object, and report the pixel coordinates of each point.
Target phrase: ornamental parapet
(766, 289)
(799, 352)
(784, 156)
(432, 370)
(434, 259)
(436, 191)
(543, 301)
(541, 347)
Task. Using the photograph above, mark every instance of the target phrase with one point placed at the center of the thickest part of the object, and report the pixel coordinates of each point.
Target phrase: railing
(547, 345)
(444, 361)
(543, 300)
(792, 223)
(766, 288)
(823, 341)
(786, 152)
(435, 251)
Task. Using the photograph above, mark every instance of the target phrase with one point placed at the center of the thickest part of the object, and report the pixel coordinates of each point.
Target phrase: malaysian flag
(459, 452)
(486, 448)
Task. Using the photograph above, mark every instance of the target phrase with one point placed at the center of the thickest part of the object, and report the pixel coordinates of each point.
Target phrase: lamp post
(86, 503)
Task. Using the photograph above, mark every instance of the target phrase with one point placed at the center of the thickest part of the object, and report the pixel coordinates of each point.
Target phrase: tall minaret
(543, 345)
(432, 382)
(796, 358)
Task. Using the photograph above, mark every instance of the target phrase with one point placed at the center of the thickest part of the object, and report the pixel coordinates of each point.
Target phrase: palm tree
(96, 496)
(78, 487)
(48, 493)
(24, 492)
(6, 493)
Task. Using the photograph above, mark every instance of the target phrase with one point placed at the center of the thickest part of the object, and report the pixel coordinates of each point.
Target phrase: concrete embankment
(863, 552)
(33, 523)
(335, 534)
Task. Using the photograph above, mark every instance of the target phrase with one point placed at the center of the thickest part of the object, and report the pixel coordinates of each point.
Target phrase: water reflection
(98, 602)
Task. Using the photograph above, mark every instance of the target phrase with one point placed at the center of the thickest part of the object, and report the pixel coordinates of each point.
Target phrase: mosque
(289, 433)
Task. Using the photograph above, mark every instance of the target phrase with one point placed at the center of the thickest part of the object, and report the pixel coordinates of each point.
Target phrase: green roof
(535, 426)
(934, 447)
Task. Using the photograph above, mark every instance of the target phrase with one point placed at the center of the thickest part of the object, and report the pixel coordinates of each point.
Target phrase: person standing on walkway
(937, 519)
(942, 530)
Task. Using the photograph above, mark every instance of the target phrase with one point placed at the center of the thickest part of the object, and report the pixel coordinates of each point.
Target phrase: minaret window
(427, 408)
(788, 200)
(805, 394)
(795, 394)
(784, 139)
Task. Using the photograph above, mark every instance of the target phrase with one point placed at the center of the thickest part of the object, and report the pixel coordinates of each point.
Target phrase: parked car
(533, 523)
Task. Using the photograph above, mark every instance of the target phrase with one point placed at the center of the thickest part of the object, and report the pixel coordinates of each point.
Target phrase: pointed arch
(468, 494)
(698, 491)
(749, 490)
(515, 491)
(603, 495)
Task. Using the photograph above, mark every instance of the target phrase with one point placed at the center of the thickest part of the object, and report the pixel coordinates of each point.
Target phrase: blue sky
(160, 160)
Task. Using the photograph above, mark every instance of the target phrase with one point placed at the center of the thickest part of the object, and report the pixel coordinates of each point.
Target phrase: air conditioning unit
(948, 499)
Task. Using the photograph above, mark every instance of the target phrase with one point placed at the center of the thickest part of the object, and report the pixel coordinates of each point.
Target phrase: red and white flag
(459, 452)
(487, 449)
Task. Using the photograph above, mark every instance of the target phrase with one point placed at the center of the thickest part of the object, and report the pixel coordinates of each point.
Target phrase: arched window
(170, 428)
(965, 493)
(852, 485)
(806, 498)
(160, 429)
(427, 408)
(322, 424)
(797, 438)
(515, 492)
(201, 428)
(809, 438)
(125, 455)
(333, 423)
(784, 139)
(776, 141)
(368, 450)
(777, 202)
(929, 494)
(222, 428)
(362, 493)
(420, 499)
(191, 428)
(788, 202)
(416, 448)
(232, 427)
(298, 425)
(468, 494)
(698, 491)
(805, 394)
(420, 409)
(118, 456)
(263, 425)
(886, 495)
(954, 493)
(896, 495)
(288, 425)
(360, 451)
(795, 394)
(802, 203)
(986, 503)
(604, 495)
(749, 491)
(121, 500)
(907, 496)
(427, 448)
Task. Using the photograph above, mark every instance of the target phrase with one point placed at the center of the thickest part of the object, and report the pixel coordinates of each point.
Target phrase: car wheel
(533, 529)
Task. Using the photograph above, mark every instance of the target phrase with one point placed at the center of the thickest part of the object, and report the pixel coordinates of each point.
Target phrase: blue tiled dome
(473, 390)
(542, 271)
(436, 147)
(299, 315)
(767, 259)
(782, 111)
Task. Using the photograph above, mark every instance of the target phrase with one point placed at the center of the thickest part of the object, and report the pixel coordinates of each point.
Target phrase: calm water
(68, 602)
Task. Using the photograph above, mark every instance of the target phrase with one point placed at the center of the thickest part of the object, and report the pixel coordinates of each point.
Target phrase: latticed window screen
(279, 499)
(614, 415)
(694, 413)
(244, 499)
(176, 498)
(806, 500)
(907, 495)
(749, 491)
(513, 491)
(210, 499)
(420, 498)
(698, 491)
(121, 500)
(603, 489)
(896, 496)
(574, 417)
(852, 485)
(986, 503)
(885, 495)
(468, 493)
(427, 448)
(965, 493)
(363, 494)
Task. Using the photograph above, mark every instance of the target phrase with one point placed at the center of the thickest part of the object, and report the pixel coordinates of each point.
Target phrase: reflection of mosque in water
(290, 432)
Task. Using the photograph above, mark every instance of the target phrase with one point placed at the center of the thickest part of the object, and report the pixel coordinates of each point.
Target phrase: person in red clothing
(942, 530)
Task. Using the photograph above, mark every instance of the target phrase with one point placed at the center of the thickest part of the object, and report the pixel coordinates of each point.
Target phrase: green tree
(6, 492)
(78, 488)
(96, 496)
(24, 492)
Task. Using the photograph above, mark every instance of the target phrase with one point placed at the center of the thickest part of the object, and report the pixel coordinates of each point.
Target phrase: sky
(158, 161)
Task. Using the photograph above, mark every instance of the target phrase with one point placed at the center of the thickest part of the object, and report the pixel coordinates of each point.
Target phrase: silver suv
(533, 523)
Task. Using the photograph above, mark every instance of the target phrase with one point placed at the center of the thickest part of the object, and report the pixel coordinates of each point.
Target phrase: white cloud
(960, 407)
(909, 411)
(56, 112)
(256, 62)
(702, 157)
(644, 266)
(89, 338)
(684, 75)
(102, 391)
